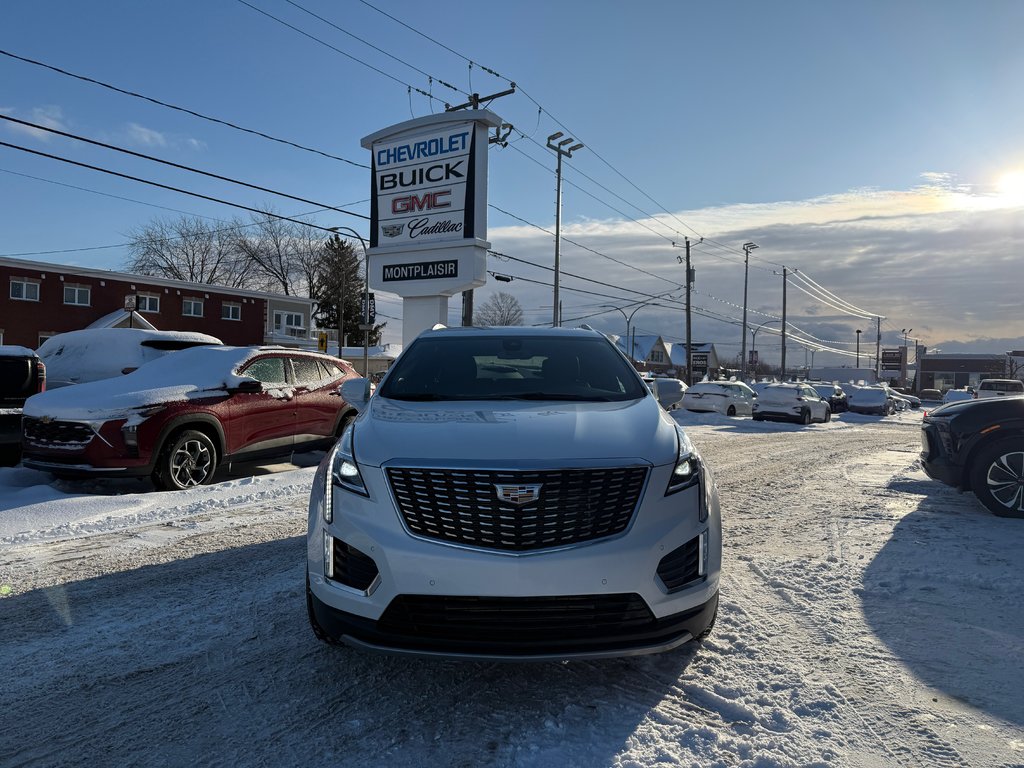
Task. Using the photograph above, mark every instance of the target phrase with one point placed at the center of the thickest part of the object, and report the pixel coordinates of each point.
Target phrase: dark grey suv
(22, 374)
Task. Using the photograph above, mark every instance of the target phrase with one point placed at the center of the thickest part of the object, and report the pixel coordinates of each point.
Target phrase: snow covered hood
(514, 432)
(185, 375)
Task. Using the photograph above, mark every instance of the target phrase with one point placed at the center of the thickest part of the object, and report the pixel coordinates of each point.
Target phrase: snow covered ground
(870, 617)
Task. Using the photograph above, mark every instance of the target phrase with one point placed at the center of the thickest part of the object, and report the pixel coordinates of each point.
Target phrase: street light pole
(858, 346)
(628, 346)
(365, 325)
(747, 248)
(753, 333)
(561, 150)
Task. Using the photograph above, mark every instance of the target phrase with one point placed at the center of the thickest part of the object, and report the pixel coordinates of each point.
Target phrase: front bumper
(10, 426)
(935, 459)
(596, 599)
(517, 629)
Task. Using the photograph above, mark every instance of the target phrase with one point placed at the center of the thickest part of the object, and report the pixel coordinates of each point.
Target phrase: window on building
(148, 302)
(43, 337)
(230, 311)
(192, 307)
(289, 323)
(657, 356)
(24, 289)
(77, 294)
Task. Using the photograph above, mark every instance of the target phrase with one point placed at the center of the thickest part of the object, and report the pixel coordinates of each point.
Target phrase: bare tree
(500, 309)
(285, 254)
(190, 249)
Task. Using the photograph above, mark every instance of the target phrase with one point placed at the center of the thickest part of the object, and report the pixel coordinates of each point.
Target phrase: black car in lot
(22, 374)
(978, 445)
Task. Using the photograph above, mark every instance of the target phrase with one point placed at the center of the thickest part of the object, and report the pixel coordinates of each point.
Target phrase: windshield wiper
(555, 396)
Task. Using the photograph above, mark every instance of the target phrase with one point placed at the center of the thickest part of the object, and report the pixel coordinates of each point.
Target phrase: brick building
(39, 300)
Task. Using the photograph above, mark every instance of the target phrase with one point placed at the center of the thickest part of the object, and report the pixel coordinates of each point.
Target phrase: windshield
(509, 367)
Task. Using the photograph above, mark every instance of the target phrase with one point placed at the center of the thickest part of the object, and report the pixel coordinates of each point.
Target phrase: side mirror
(248, 386)
(356, 392)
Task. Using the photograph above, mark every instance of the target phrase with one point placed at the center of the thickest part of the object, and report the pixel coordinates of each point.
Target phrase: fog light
(130, 435)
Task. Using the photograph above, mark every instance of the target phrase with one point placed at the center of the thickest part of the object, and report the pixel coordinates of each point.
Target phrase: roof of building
(105, 274)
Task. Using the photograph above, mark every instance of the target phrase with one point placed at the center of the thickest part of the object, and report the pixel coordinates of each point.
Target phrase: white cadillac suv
(512, 493)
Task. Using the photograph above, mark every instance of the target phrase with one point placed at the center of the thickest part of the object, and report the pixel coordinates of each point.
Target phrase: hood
(108, 399)
(514, 432)
(1000, 407)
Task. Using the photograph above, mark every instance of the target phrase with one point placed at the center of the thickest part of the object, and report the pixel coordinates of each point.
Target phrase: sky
(873, 148)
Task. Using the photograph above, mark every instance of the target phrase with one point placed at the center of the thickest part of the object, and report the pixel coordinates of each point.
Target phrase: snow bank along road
(870, 617)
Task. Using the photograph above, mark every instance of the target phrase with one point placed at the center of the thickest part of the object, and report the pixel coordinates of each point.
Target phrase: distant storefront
(943, 372)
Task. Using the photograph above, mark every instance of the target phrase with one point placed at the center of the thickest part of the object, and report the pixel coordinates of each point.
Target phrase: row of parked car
(172, 407)
(803, 402)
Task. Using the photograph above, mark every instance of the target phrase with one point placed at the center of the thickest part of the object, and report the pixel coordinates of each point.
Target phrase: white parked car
(792, 402)
(999, 388)
(956, 395)
(553, 511)
(91, 354)
(731, 398)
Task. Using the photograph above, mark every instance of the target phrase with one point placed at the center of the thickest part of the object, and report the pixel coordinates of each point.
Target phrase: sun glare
(1011, 188)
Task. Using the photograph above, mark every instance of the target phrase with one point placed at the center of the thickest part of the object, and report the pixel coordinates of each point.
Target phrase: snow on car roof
(100, 353)
(188, 374)
(11, 350)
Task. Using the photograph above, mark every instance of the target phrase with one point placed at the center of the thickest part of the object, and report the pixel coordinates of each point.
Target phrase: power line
(165, 186)
(185, 110)
(379, 50)
(343, 53)
(177, 165)
(97, 192)
(580, 245)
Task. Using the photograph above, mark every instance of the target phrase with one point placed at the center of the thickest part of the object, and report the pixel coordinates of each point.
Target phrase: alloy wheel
(1005, 480)
(191, 463)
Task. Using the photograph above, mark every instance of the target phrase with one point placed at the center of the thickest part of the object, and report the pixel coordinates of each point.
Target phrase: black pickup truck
(22, 374)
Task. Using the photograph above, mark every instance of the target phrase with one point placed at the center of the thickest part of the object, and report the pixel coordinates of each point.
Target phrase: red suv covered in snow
(179, 417)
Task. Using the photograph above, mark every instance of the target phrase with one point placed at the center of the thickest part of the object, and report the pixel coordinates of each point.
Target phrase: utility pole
(878, 351)
(689, 338)
(689, 287)
(561, 150)
(747, 248)
(501, 135)
(784, 281)
(858, 346)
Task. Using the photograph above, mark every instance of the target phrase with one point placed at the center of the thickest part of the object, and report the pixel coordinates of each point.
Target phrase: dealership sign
(428, 181)
(428, 212)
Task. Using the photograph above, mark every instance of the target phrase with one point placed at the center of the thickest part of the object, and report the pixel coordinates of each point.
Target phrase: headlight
(130, 430)
(687, 469)
(344, 472)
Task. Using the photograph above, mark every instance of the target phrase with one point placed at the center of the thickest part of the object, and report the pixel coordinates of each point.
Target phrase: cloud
(51, 116)
(938, 257)
(141, 136)
(146, 137)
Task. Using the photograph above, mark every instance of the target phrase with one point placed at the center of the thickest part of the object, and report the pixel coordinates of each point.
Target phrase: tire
(345, 420)
(318, 631)
(731, 411)
(711, 626)
(828, 416)
(805, 417)
(187, 459)
(997, 477)
(757, 417)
